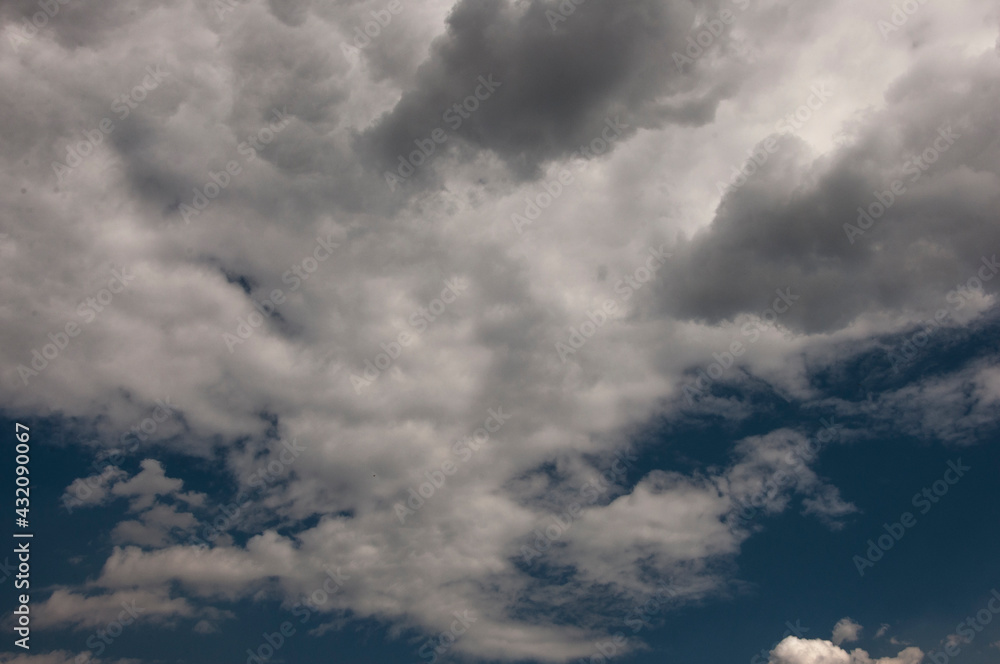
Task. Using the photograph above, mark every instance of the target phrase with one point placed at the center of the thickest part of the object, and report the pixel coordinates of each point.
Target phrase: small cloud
(845, 631)
(205, 627)
(155, 527)
(94, 490)
(145, 486)
(71, 610)
(829, 506)
(882, 630)
(953, 640)
(192, 498)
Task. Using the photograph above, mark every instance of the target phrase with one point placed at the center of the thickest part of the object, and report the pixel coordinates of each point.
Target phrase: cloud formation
(116, 301)
(845, 631)
(794, 650)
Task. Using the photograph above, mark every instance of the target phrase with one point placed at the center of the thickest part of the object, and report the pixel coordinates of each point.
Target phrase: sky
(490, 331)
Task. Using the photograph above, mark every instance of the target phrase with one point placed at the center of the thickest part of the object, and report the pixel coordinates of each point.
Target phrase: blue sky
(514, 332)
(795, 575)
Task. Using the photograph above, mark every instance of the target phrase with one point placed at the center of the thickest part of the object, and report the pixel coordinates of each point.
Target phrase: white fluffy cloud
(794, 650)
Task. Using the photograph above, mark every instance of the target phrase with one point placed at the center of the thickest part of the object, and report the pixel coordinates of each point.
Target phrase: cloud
(320, 181)
(557, 85)
(149, 483)
(951, 407)
(780, 460)
(845, 631)
(794, 650)
(154, 526)
(60, 657)
(65, 608)
(143, 488)
(93, 490)
(956, 640)
(668, 525)
(205, 627)
(786, 227)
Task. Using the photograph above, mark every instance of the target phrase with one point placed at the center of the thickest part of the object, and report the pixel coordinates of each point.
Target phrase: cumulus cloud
(845, 631)
(786, 227)
(144, 488)
(794, 650)
(149, 483)
(558, 84)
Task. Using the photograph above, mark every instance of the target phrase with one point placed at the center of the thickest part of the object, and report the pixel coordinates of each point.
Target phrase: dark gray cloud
(75, 24)
(558, 84)
(786, 226)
